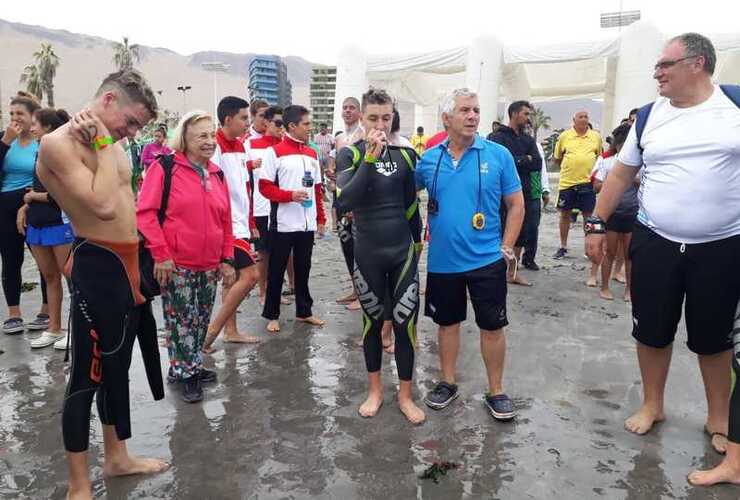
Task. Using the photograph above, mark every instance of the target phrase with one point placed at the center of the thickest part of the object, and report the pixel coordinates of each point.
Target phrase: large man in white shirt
(686, 243)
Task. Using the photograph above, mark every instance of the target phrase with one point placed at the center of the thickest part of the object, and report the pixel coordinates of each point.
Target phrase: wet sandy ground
(282, 421)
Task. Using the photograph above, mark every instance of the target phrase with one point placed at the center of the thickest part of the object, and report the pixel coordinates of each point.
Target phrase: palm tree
(31, 76)
(539, 120)
(47, 62)
(126, 55)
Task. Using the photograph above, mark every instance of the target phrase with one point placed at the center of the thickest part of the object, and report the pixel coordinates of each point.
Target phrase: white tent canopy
(618, 70)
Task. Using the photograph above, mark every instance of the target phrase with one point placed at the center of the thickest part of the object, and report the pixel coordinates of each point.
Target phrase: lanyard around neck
(436, 176)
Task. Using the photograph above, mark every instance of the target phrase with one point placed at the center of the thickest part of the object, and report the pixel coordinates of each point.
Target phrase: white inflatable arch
(617, 70)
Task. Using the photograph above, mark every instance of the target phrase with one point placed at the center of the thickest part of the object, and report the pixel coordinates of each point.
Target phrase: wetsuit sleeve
(267, 185)
(352, 181)
(411, 202)
(147, 206)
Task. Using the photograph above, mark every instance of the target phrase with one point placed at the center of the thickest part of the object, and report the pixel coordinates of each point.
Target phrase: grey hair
(448, 105)
(179, 135)
(698, 45)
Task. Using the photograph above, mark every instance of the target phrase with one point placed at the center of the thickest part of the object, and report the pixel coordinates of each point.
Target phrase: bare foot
(83, 494)
(285, 301)
(718, 438)
(208, 343)
(619, 278)
(413, 413)
(371, 405)
(726, 472)
(262, 300)
(238, 338)
(642, 421)
(135, 465)
(360, 342)
(273, 326)
(627, 297)
(347, 298)
(354, 306)
(606, 294)
(591, 281)
(312, 320)
(518, 280)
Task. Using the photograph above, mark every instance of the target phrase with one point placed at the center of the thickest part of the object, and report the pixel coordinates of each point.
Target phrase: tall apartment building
(323, 86)
(268, 80)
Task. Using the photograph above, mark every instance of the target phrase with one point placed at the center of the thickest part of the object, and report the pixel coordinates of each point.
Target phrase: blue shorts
(50, 236)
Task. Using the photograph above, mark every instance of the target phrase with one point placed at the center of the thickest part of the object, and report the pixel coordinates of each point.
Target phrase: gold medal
(479, 221)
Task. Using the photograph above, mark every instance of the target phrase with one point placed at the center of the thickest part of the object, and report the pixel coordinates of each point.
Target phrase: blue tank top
(18, 166)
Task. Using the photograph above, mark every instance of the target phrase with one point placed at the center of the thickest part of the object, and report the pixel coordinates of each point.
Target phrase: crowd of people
(239, 199)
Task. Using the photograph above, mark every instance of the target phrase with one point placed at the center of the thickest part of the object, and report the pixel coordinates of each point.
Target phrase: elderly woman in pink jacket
(192, 248)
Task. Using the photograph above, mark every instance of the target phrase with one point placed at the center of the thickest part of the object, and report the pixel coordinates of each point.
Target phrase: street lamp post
(184, 89)
(215, 67)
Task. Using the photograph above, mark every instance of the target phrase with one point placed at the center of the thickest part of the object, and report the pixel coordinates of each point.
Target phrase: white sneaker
(61, 344)
(46, 339)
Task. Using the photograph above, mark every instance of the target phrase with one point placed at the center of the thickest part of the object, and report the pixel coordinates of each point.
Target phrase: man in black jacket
(527, 159)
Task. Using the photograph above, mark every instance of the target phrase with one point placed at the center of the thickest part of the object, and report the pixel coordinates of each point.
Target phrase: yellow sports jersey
(579, 154)
(418, 141)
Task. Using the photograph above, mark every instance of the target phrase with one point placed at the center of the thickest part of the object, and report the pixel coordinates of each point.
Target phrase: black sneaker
(192, 392)
(500, 406)
(13, 326)
(39, 324)
(532, 266)
(562, 252)
(172, 378)
(207, 376)
(441, 396)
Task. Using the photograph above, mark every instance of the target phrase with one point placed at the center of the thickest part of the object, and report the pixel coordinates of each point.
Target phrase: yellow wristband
(369, 158)
(102, 142)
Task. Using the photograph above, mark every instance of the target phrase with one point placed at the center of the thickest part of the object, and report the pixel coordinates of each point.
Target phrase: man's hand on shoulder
(85, 126)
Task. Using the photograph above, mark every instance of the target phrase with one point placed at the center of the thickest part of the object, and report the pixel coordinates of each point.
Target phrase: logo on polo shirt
(386, 168)
(484, 168)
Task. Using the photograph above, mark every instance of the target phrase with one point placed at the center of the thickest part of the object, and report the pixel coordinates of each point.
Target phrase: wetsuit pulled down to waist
(107, 313)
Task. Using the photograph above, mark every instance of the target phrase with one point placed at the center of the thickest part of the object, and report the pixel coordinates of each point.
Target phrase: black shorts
(665, 273)
(581, 197)
(243, 254)
(446, 298)
(261, 244)
(621, 223)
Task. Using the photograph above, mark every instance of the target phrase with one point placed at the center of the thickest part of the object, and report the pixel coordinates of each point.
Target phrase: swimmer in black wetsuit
(375, 181)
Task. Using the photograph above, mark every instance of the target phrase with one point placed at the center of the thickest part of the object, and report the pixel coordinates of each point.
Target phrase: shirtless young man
(90, 177)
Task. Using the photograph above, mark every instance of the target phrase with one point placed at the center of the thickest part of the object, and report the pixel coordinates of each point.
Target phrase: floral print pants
(187, 302)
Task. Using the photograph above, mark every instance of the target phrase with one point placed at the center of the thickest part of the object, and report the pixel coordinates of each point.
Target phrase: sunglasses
(671, 62)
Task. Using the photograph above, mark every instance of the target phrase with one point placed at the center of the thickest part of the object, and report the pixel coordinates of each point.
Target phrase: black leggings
(734, 434)
(376, 278)
(12, 248)
(103, 328)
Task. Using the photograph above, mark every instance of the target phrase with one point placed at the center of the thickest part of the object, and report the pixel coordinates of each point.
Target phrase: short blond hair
(179, 141)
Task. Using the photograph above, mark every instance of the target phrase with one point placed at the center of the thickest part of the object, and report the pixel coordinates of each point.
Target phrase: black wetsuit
(387, 229)
(734, 434)
(107, 313)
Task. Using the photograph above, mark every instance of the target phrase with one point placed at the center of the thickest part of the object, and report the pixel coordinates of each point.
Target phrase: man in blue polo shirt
(467, 178)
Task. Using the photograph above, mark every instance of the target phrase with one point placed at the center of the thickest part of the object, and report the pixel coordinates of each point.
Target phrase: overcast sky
(317, 30)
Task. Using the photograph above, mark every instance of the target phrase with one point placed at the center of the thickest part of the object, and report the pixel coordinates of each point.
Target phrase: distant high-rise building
(268, 80)
(323, 86)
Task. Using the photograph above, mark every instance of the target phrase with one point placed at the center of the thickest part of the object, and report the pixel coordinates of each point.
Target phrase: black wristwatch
(594, 225)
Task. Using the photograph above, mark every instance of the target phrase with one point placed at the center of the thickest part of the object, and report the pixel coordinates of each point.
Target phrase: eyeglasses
(278, 123)
(670, 63)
